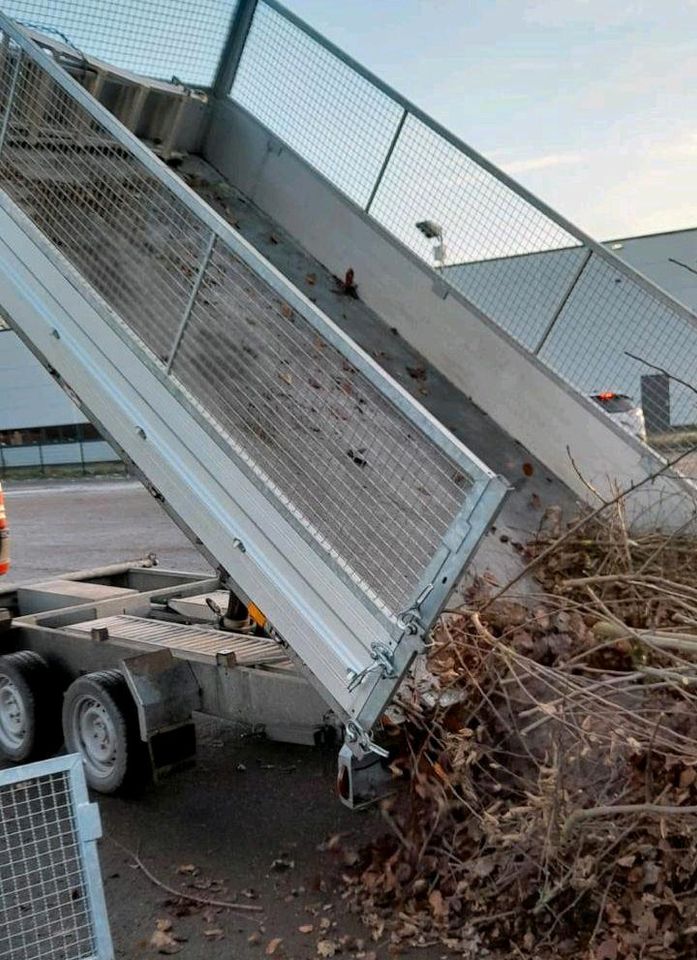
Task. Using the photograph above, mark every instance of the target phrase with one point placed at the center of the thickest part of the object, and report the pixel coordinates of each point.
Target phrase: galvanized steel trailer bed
(326, 494)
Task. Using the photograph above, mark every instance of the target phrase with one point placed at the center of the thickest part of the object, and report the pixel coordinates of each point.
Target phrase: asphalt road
(245, 804)
(59, 525)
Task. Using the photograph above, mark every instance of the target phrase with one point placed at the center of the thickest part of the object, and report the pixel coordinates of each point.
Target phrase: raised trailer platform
(268, 419)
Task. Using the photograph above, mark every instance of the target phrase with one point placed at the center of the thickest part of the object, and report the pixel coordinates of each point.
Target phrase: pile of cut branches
(549, 749)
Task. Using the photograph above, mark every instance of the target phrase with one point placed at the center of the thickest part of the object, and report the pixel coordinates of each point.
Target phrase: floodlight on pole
(430, 229)
(433, 231)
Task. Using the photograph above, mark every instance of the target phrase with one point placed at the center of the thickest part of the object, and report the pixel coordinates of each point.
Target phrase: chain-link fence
(158, 38)
(561, 296)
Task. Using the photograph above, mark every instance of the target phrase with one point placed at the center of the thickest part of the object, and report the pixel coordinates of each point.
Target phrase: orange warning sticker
(256, 614)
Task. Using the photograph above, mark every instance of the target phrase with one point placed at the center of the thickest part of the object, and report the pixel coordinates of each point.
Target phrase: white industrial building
(669, 259)
(41, 427)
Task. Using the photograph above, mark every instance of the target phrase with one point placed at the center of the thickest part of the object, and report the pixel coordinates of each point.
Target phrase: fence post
(388, 157)
(203, 266)
(655, 402)
(232, 51)
(564, 301)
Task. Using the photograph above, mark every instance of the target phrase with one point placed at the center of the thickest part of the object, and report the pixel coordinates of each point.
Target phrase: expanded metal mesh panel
(132, 239)
(45, 911)
(159, 38)
(524, 269)
(373, 492)
(357, 475)
(322, 108)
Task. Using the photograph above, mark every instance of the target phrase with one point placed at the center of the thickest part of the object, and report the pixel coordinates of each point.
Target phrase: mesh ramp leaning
(326, 493)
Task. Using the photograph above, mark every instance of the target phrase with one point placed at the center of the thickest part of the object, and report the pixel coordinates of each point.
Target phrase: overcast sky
(590, 103)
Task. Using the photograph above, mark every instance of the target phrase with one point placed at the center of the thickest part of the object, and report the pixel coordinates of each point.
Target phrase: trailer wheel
(28, 708)
(100, 723)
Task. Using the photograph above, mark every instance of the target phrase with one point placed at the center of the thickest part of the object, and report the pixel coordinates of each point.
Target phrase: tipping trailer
(337, 509)
(338, 512)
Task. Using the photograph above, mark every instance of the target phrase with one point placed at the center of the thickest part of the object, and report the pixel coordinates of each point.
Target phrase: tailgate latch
(384, 661)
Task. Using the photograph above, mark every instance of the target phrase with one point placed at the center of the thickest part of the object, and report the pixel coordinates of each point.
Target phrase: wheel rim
(95, 736)
(13, 715)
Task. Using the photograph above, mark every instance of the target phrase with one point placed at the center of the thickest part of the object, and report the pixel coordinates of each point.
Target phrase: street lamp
(433, 231)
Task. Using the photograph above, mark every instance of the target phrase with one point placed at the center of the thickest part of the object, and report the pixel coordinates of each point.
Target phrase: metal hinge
(384, 661)
(410, 620)
(357, 736)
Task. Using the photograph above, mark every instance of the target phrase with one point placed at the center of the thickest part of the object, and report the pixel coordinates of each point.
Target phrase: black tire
(29, 708)
(100, 723)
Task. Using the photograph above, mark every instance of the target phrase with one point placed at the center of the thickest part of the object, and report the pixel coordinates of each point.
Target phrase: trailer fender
(164, 689)
(166, 693)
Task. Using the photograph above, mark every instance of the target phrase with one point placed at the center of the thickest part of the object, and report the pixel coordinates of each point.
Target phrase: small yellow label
(256, 614)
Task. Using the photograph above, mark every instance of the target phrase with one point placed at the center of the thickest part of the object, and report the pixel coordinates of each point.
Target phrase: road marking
(122, 486)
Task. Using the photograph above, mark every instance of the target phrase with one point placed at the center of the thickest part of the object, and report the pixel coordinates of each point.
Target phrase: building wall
(655, 256)
(40, 427)
(520, 292)
(28, 395)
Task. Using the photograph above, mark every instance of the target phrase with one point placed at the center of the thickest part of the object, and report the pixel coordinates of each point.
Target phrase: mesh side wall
(44, 907)
(159, 38)
(524, 268)
(367, 487)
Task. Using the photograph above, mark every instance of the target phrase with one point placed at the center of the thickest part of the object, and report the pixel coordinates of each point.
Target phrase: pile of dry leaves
(549, 746)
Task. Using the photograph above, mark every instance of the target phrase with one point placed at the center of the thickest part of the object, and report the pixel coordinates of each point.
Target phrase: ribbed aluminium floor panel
(189, 642)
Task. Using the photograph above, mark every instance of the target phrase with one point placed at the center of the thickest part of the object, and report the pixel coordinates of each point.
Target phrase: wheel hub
(13, 714)
(95, 735)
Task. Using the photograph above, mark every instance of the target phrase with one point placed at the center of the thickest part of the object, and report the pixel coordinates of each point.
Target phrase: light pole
(433, 231)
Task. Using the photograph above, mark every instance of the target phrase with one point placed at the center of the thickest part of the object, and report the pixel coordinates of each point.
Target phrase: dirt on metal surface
(535, 488)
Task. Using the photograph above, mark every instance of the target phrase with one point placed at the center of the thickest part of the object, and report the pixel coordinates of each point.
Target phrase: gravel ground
(245, 804)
